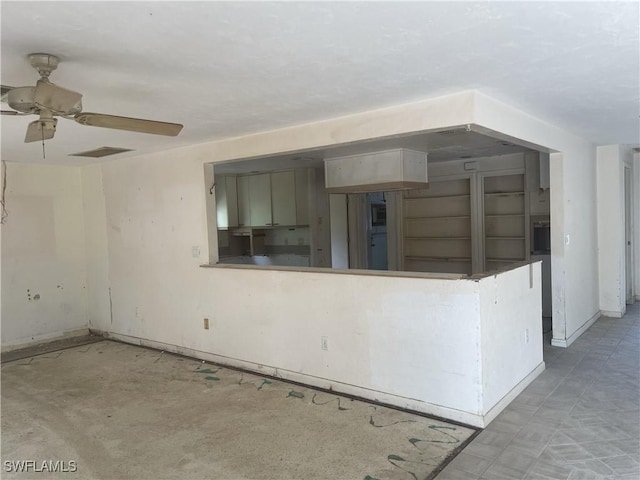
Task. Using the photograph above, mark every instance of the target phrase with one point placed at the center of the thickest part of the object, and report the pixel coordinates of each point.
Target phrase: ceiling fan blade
(9, 112)
(4, 90)
(127, 123)
(54, 98)
(43, 129)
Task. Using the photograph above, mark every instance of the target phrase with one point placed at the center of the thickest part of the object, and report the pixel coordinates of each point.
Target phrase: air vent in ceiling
(452, 132)
(101, 152)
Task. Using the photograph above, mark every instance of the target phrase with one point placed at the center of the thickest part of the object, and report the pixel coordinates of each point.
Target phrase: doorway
(628, 233)
(377, 249)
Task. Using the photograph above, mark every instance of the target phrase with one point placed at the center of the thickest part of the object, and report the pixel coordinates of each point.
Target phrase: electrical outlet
(324, 343)
(526, 335)
(206, 324)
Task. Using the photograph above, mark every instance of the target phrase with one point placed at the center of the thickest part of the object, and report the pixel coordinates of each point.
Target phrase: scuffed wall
(43, 254)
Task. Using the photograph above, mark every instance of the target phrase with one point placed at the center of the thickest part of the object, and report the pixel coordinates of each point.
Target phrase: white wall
(97, 264)
(574, 257)
(43, 254)
(398, 340)
(611, 231)
(636, 223)
(509, 333)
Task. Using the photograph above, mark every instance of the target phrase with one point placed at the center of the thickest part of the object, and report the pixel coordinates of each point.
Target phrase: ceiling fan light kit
(48, 100)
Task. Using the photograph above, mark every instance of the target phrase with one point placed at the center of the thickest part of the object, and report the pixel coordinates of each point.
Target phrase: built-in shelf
(437, 227)
(443, 216)
(505, 238)
(504, 219)
(441, 197)
(439, 259)
(504, 194)
(437, 238)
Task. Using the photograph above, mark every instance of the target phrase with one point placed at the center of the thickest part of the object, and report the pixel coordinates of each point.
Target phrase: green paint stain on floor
(369, 477)
(211, 377)
(414, 441)
(264, 382)
(295, 394)
(206, 370)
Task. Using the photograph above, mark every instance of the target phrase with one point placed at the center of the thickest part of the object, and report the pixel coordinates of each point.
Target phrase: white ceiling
(225, 69)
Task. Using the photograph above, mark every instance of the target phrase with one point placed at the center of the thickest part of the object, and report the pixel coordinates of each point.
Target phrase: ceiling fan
(48, 101)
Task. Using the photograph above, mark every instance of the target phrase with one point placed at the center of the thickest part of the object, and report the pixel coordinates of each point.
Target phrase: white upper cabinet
(226, 202)
(283, 198)
(260, 200)
(263, 200)
(302, 196)
(244, 212)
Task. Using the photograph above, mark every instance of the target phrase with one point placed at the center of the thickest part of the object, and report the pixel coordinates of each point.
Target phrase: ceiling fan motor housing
(44, 63)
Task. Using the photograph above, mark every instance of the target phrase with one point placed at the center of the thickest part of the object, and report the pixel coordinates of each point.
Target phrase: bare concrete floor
(120, 411)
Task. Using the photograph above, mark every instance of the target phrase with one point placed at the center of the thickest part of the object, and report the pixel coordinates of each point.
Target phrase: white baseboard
(515, 391)
(613, 313)
(459, 416)
(564, 343)
(36, 339)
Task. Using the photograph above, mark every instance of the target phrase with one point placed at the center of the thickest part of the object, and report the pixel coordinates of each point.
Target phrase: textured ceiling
(225, 69)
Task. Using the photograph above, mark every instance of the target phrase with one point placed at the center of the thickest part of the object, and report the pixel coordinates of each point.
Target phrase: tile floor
(579, 420)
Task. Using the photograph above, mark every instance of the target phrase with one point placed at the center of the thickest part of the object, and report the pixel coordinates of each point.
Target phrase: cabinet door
(283, 198)
(260, 200)
(222, 217)
(244, 209)
(302, 197)
(232, 201)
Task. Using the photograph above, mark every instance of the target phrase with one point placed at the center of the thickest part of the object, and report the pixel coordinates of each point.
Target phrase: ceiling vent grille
(101, 152)
(453, 132)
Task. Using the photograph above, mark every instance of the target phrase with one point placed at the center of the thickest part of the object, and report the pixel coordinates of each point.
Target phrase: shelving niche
(504, 220)
(437, 228)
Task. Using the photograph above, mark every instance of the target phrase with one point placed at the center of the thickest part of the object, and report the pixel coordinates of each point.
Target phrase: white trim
(25, 343)
(460, 416)
(564, 343)
(509, 397)
(613, 313)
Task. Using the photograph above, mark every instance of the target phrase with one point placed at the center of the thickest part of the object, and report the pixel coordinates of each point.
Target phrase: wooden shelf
(499, 215)
(444, 216)
(505, 260)
(505, 238)
(423, 197)
(437, 238)
(439, 259)
(504, 194)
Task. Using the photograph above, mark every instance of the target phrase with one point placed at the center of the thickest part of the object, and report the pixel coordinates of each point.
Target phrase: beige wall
(43, 254)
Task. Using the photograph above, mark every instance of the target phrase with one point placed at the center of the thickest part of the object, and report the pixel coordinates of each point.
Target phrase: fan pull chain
(44, 157)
